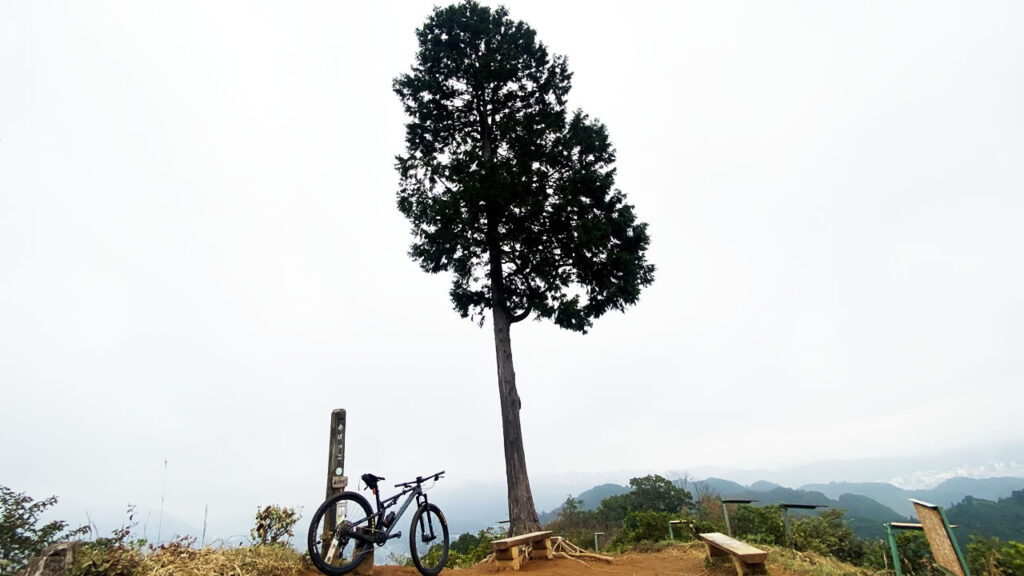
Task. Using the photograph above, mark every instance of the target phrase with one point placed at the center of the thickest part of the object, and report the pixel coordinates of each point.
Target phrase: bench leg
(714, 552)
(717, 556)
(744, 569)
(545, 547)
(513, 557)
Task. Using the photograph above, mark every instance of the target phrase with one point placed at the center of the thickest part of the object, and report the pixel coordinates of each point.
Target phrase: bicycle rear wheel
(428, 540)
(335, 551)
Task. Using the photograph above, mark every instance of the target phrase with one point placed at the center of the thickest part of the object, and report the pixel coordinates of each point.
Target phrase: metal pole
(596, 534)
(785, 520)
(952, 538)
(725, 512)
(892, 550)
(671, 536)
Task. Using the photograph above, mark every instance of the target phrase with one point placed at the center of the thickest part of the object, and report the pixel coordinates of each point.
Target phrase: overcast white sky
(200, 255)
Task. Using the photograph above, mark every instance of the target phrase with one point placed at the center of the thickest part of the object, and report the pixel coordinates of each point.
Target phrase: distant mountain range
(945, 494)
(868, 505)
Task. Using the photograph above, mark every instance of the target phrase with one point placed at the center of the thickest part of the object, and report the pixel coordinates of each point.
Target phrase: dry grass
(786, 561)
(255, 561)
(180, 560)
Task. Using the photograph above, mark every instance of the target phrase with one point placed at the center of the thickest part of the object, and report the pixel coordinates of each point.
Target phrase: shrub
(990, 557)
(469, 549)
(21, 537)
(643, 526)
(760, 525)
(120, 555)
(273, 524)
(828, 533)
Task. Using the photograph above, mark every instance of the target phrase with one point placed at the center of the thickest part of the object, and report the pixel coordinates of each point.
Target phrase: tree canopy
(498, 173)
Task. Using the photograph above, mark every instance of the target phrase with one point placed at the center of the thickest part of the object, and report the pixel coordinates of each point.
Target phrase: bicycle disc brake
(339, 541)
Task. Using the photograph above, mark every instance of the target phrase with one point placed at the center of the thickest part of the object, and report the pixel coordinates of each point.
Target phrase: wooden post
(336, 480)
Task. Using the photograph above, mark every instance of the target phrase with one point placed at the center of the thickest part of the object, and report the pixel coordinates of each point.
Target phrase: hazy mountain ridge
(868, 505)
(1003, 519)
(591, 499)
(865, 515)
(946, 494)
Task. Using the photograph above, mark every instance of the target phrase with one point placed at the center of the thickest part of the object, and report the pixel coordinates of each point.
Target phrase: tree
(828, 533)
(658, 494)
(21, 537)
(760, 524)
(512, 195)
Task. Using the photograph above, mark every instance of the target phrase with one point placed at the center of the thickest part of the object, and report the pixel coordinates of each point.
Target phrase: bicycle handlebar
(421, 479)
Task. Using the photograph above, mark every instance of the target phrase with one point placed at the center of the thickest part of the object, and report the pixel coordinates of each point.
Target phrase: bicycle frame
(415, 492)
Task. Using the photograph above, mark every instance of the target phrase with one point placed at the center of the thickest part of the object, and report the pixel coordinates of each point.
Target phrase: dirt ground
(687, 561)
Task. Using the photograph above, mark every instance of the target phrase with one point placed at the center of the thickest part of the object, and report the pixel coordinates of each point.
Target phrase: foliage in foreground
(122, 554)
(639, 521)
(181, 559)
(626, 520)
(991, 557)
(469, 549)
(21, 536)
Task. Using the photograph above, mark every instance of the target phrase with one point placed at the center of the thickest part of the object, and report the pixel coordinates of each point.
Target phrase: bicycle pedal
(396, 535)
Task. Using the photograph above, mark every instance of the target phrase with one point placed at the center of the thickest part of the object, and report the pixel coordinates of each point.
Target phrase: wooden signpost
(336, 479)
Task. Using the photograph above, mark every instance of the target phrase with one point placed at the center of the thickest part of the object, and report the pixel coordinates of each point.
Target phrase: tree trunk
(521, 512)
(522, 515)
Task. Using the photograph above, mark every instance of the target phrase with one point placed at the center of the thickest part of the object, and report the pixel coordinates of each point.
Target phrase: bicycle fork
(426, 535)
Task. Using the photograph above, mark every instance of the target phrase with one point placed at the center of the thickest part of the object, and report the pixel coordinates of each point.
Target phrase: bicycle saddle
(371, 481)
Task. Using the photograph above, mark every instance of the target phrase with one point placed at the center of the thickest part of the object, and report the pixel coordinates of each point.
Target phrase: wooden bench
(748, 560)
(516, 550)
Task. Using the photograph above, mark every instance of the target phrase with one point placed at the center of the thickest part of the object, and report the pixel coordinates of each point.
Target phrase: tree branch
(513, 318)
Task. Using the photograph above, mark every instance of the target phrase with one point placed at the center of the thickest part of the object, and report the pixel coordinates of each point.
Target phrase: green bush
(827, 533)
(990, 557)
(643, 526)
(1011, 558)
(469, 549)
(21, 536)
(578, 525)
(760, 525)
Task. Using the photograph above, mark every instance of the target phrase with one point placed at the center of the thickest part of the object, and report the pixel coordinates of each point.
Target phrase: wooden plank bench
(516, 550)
(748, 560)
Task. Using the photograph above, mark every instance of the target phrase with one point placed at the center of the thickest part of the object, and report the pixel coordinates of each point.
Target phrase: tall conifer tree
(513, 195)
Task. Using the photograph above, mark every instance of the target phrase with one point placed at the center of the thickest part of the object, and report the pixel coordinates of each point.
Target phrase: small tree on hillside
(658, 494)
(513, 195)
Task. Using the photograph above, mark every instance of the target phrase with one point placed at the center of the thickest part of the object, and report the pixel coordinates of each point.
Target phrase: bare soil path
(679, 561)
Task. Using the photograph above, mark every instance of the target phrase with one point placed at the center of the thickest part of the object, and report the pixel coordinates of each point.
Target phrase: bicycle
(344, 529)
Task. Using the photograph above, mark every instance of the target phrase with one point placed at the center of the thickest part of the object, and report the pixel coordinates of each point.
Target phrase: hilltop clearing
(674, 560)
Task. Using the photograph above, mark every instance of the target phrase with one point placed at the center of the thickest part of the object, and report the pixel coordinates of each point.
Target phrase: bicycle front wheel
(331, 545)
(428, 540)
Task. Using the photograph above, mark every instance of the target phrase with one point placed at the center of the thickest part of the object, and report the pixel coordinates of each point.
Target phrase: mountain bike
(344, 529)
